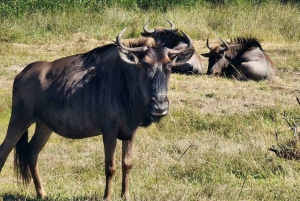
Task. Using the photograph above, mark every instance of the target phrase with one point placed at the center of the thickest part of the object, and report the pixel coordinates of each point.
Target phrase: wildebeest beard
(150, 118)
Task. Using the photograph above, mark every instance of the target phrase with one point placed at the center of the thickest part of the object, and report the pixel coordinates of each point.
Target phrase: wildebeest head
(217, 60)
(156, 62)
(172, 38)
(169, 36)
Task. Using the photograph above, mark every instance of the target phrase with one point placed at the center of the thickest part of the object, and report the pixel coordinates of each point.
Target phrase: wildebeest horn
(171, 23)
(207, 44)
(131, 49)
(145, 27)
(189, 45)
(226, 45)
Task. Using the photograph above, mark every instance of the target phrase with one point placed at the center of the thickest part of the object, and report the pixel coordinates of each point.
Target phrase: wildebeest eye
(168, 67)
(130, 57)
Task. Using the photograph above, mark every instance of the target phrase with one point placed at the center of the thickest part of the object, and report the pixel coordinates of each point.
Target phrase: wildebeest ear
(206, 54)
(130, 57)
(181, 58)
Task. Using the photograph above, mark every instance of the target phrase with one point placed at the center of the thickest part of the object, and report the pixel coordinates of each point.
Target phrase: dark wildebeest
(111, 90)
(173, 39)
(242, 58)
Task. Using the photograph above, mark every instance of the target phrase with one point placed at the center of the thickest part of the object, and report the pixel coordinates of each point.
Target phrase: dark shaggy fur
(244, 42)
(169, 38)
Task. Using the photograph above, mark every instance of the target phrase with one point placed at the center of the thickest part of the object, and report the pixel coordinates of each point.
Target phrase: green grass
(214, 143)
(270, 21)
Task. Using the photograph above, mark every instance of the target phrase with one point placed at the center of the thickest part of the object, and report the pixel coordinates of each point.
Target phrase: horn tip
(121, 33)
(118, 39)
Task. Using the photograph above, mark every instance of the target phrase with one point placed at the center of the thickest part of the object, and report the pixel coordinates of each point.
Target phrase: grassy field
(214, 143)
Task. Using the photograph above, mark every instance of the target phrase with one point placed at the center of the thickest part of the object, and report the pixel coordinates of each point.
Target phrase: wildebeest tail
(22, 154)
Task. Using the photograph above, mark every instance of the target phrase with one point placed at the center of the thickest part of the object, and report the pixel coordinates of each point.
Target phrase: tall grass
(43, 21)
(18, 7)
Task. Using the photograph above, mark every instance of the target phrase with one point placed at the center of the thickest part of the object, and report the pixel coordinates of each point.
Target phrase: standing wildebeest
(172, 39)
(111, 90)
(242, 58)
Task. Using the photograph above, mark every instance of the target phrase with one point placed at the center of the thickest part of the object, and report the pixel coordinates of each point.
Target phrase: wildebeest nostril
(160, 105)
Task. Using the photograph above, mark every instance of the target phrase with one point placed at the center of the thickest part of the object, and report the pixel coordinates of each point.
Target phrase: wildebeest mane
(244, 42)
(83, 71)
(93, 54)
(239, 45)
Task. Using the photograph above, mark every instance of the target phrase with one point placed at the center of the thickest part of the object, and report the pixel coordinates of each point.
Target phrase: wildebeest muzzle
(159, 105)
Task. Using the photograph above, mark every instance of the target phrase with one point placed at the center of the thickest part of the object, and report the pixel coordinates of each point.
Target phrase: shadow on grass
(18, 197)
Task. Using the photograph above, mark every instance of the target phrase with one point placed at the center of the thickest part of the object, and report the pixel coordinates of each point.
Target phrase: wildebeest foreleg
(110, 143)
(127, 147)
(36, 144)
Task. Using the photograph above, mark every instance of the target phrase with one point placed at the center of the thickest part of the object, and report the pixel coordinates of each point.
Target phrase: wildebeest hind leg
(36, 144)
(16, 129)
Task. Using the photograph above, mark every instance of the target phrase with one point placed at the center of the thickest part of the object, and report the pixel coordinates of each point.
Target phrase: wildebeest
(111, 90)
(242, 58)
(173, 39)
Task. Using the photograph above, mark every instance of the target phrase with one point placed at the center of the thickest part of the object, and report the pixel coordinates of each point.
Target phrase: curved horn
(171, 23)
(145, 27)
(226, 45)
(131, 49)
(207, 44)
(189, 45)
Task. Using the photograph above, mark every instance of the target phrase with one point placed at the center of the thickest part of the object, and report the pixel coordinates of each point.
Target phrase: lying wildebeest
(242, 58)
(111, 90)
(173, 39)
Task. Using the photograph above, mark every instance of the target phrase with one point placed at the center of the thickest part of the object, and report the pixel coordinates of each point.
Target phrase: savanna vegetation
(214, 143)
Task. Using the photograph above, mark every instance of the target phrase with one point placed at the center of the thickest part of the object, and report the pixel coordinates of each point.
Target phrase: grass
(269, 22)
(214, 143)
